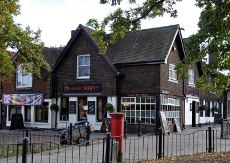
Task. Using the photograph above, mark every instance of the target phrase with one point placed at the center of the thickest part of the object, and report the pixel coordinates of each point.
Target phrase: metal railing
(105, 148)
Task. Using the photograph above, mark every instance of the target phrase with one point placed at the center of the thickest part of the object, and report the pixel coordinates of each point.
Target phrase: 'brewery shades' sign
(82, 88)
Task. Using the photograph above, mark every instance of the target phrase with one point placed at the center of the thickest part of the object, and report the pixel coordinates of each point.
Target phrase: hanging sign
(23, 99)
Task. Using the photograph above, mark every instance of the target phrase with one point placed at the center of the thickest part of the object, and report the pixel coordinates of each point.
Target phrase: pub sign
(82, 88)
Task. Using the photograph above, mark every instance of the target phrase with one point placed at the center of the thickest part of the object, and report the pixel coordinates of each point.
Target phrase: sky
(56, 18)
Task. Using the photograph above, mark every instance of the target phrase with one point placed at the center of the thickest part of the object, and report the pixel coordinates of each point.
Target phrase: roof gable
(80, 29)
(87, 33)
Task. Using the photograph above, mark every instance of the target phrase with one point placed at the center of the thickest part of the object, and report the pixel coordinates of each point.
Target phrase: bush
(202, 108)
(54, 107)
(109, 107)
(215, 109)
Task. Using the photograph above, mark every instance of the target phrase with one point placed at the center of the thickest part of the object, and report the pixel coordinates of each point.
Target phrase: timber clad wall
(166, 85)
(140, 79)
(175, 90)
(100, 73)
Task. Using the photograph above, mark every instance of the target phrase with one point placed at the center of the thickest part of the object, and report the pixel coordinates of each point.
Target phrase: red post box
(117, 131)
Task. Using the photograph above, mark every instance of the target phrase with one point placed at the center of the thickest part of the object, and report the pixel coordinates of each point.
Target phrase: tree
(25, 42)
(212, 38)
(122, 21)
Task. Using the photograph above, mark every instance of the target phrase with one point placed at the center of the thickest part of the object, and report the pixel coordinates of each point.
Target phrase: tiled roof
(51, 54)
(148, 45)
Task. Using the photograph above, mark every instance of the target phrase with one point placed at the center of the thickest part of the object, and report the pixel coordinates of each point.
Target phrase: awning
(23, 99)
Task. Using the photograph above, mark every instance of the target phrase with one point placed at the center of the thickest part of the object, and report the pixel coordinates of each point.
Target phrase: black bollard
(24, 150)
(108, 147)
(88, 132)
(125, 129)
(71, 133)
(139, 127)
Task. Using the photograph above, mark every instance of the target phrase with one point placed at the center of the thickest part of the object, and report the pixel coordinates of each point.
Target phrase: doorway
(82, 108)
(194, 111)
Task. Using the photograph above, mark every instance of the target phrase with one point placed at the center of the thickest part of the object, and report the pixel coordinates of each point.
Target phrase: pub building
(137, 76)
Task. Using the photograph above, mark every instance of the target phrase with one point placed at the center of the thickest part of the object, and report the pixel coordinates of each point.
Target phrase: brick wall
(38, 86)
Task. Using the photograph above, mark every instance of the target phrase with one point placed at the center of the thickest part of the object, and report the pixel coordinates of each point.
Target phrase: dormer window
(191, 77)
(23, 79)
(83, 66)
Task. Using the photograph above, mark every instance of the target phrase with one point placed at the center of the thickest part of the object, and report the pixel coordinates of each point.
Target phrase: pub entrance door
(194, 114)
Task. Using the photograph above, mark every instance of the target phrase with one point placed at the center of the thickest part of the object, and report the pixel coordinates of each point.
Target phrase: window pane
(83, 71)
(153, 107)
(81, 61)
(153, 113)
(87, 60)
(147, 106)
(41, 112)
(27, 113)
(147, 113)
(148, 100)
(143, 107)
(13, 109)
(137, 107)
(137, 114)
(142, 99)
(153, 100)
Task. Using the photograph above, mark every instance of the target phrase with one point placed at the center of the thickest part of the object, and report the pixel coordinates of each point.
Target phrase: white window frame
(191, 77)
(172, 73)
(133, 113)
(26, 79)
(171, 107)
(82, 77)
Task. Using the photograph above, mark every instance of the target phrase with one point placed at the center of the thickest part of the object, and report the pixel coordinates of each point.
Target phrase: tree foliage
(212, 40)
(25, 42)
(122, 21)
(213, 37)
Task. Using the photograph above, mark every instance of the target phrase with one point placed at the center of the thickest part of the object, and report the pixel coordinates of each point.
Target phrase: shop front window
(27, 113)
(82, 105)
(41, 112)
(171, 107)
(64, 112)
(101, 101)
(139, 108)
(13, 109)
